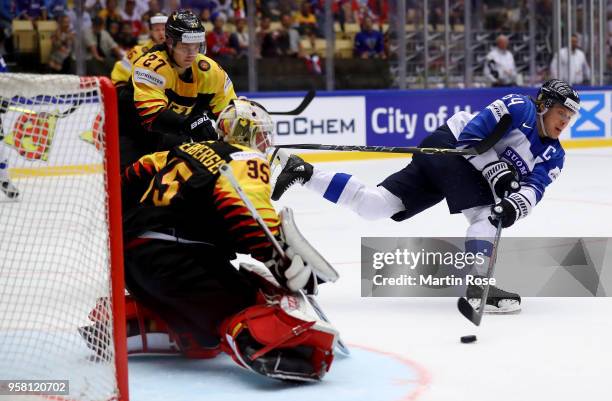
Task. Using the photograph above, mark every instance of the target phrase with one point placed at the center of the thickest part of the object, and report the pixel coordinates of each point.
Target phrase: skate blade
(509, 306)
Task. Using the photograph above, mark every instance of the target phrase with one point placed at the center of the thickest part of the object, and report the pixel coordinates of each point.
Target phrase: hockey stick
(227, 172)
(298, 110)
(462, 303)
(380, 149)
(481, 147)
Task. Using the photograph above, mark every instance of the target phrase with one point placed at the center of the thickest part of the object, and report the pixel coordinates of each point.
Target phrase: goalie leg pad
(147, 333)
(294, 239)
(280, 338)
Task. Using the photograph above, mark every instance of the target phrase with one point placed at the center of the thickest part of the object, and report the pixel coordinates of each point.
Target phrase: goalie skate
(498, 300)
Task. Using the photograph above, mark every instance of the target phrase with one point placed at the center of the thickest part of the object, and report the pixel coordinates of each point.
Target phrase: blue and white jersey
(538, 161)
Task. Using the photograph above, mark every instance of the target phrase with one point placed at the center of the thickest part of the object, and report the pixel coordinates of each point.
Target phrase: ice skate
(498, 300)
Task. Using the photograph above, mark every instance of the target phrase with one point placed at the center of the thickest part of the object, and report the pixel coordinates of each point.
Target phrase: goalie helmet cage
(61, 250)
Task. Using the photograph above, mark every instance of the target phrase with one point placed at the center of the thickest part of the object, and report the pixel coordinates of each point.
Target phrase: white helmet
(247, 123)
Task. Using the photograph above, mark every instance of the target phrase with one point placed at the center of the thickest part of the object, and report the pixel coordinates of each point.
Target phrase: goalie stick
(226, 171)
(462, 303)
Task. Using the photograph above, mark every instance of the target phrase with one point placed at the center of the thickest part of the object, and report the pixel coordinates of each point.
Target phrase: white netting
(54, 241)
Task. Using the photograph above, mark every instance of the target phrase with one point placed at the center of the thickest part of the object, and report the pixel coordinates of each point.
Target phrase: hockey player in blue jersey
(503, 183)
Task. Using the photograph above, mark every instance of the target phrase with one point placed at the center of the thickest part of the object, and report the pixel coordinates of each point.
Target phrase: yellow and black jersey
(182, 192)
(122, 71)
(158, 87)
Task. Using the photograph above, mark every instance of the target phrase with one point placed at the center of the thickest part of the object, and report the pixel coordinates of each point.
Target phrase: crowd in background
(285, 28)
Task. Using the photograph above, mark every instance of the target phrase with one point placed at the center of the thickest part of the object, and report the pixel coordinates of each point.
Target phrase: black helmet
(185, 26)
(558, 91)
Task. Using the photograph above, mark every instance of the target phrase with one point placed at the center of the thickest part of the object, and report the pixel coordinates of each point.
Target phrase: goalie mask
(247, 123)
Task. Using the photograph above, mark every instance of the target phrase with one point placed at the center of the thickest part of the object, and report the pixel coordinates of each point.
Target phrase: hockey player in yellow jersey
(122, 71)
(175, 91)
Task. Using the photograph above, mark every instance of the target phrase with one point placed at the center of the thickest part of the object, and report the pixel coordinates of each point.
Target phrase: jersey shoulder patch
(148, 77)
(498, 109)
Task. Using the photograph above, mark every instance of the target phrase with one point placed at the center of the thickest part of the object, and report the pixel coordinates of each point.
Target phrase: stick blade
(298, 110)
(470, 313)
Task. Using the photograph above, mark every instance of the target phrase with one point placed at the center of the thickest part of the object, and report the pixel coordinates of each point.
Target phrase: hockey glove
(511, 208)
(502, 178)
(200, 128)
(292, 272)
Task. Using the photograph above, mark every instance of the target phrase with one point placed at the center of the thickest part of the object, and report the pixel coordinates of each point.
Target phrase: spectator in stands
(499, 68)
(102, 50)
(369, 43)
(153, 9)
(55, 8)
(130, 16)
(266, 39)
(305, 19)
(270, 8)
(239, 40)
(30, 9)
(125, 36)
(93, 7)
(171, 6)
(62, 42)
(6, 18)
(197, 6)
(581, 72)
(109, 14)
(226, 7)
(288, 37)
(217, 40)
(380, 8)
(143, 6)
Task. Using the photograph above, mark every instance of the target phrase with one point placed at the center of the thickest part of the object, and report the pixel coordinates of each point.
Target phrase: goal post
(61, 247)
(113, 175)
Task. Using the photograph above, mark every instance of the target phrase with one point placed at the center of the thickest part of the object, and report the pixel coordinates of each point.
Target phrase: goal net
(60, 239)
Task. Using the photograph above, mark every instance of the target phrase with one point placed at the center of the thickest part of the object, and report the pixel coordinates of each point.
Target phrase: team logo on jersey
(204, 65)
(517, 161)
(498, 109)
(145, 76)
(554, 173)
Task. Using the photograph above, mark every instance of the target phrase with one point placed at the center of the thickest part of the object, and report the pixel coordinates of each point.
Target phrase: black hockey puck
(468, 339)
